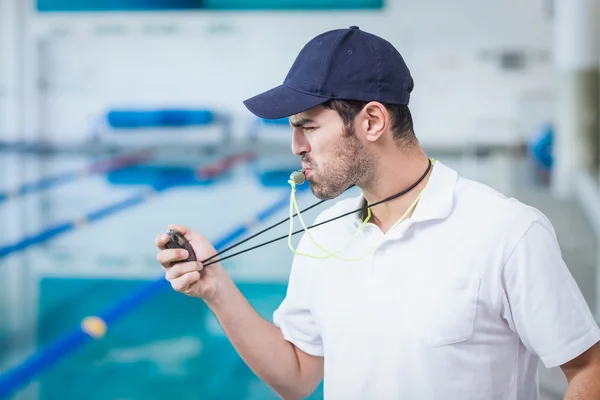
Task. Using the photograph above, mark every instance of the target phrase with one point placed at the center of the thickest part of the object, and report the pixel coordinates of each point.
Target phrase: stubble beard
(349, 165)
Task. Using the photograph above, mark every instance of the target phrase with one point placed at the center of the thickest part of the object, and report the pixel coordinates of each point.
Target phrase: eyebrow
(300, 122)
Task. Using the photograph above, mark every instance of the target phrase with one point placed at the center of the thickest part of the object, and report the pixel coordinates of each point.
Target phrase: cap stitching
(327, 58)
(287, 85)
(376, 53)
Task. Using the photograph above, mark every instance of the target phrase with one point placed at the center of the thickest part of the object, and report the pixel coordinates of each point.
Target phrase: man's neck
(396, 174)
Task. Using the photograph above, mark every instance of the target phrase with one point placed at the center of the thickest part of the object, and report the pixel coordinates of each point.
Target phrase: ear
(376, 120)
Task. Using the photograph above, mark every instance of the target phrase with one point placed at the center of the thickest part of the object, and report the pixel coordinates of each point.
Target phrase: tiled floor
(549, 396)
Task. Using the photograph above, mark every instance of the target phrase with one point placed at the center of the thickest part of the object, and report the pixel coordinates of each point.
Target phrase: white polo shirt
(460, 301)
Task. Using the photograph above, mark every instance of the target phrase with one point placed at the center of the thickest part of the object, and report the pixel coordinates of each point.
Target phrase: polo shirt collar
(437, 199)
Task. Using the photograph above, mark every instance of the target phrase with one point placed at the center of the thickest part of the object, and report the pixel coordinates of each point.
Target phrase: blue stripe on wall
(291, 4)
(232, 5)
(116, 5)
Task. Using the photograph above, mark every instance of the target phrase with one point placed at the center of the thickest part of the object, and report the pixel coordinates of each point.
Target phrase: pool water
(171, 347)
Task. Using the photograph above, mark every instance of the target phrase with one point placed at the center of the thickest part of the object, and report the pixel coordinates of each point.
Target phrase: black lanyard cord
(363, 208)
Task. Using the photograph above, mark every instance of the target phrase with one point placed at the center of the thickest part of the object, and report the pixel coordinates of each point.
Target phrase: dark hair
(400, 116)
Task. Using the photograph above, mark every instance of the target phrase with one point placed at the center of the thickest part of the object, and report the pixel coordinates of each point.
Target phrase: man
(459, 297)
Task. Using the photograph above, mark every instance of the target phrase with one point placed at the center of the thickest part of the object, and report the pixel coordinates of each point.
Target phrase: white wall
(9, 76)
(91, 62)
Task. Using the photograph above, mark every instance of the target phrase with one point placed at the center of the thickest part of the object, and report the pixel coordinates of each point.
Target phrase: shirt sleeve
(543, 303)
(294, 316)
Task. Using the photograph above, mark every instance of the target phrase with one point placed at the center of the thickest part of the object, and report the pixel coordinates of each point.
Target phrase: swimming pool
(89, 248)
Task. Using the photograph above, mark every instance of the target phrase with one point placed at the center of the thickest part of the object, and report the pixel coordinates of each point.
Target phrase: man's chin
(324, 195)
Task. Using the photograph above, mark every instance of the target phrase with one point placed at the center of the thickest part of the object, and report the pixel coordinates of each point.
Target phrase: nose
(300, 144)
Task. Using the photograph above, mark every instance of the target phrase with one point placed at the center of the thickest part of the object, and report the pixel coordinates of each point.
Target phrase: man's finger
(184, 282)
(184, 230)
(161, 240)
(181, 269)
(168, 256)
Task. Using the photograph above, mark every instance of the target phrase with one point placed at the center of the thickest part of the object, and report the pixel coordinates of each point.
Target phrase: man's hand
(191, 278)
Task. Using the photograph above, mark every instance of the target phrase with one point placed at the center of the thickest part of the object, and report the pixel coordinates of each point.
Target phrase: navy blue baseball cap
(345, 64)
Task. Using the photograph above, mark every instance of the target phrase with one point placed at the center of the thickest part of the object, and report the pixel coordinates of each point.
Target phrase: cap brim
(282, 102)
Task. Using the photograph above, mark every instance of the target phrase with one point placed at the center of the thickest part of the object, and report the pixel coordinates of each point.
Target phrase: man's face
(332, 155)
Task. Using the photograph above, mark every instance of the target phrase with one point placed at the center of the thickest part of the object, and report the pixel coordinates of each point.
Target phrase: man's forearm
(260, 344)
(585, 385)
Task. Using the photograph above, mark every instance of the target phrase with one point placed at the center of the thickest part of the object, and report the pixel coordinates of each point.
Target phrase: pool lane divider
(210, 171)
(95, 327)
(110, 164)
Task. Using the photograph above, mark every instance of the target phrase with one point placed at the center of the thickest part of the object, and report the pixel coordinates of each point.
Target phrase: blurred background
(120, 117)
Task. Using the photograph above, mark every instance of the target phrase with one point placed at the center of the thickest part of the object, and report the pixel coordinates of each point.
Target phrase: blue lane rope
(122, 205)
(111, 164)
(64, 227)
(20, 375)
